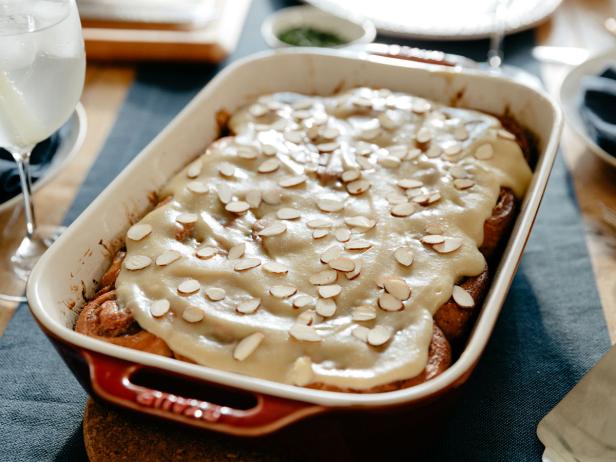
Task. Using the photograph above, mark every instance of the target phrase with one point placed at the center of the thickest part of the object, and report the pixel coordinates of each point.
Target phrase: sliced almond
(404, 256)
(254, 199)
(287, 213)
(319, 223)
(413, 154)
(272, 197)
(258, 110)
(356, 272)
(137, 262)
(274, 229)
(452, 149)
(451, 244)
(269, 150)
(187, 218)
(421, 106)
(246, 264)
(215, 294)
(319, 233)
(502, 133)
(328, 147)
(294, 137)
(463, 184)
(269, 166)
(167, 257)
(329, 133)
(282, 291)
(248, 306)
(358, 187)
(410, 183)
(247, 152)
(398, 288)
(484, 152)
(193, 314)
(388, 302)
(226, 169)
(342, 264)
(403, 210)
(365, 164)
(224, 192)
(363, 313)
(330, 254)
(292, 181)
(330, 205)
(237, 207)
(198, 187)
(206, 252)
(329, 291)
(247, 346)
(189, 286)
(275, 268)
(434, 151)
(304, 333)
(326, 307)
(434, 228)
(159, 308)
(462, 297)
(379, 335)
(194, 169)
(342, 234)
(458, 172)
(350, 175)
(308, 318)
(357, 244)
(301, 373)
(303, 301)
(361, 333)
(360, 222)
(323, 278)
(432, 239)
(424, 135)
(139, 231)
(237, 251)
(389, 162)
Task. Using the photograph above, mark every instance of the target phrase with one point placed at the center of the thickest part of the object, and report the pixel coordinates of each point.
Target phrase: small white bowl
(351, 30)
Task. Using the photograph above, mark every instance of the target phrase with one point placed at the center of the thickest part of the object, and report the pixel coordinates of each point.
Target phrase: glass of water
(42, 67)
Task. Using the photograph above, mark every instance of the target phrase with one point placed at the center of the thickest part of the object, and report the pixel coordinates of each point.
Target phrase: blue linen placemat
(551, 330)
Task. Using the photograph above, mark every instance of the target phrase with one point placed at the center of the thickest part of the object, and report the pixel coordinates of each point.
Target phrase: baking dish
(67, 273)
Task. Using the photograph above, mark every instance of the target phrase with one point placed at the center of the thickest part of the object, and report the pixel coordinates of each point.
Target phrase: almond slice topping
(328, 147)
(187, 218)
(302, 373)
(342, 234)
(403, 210)
(357, 244)
(323, 278)
(189, 286)
(137, 262)
(303, 301)
(353, 274)
(159, 308)
(379, 335)
(194, 169)
(167, 257)
(272, 197)
(329, 291)
(238, 207)
(304, 333)
(350, 175)
(139, 231)
(330, 205)
(358, 187)
(319, 223)
(462, 297)
(294, 136)
(319, 233)
(287, 213)
(281, 291)
(329, 133)
(215, 294)
(224, 192)
(275, 268)
(361, 333)
(410, 183)
(269, 166)
(248, 306)
(247, 346)
(254, 199)
(388, 302)
(206, 252)
(458, 172)
(308, 318)
(432, 239)
(363, 313)
(484, 152)
(246, 264)
(247, 152)
(237, 251)
(292, 181)
(197, 187)
(226, 169)
(326, 307)
(502, 133)
(463, 183)
(451, 244)
(269, 150)
(389, 162)
(423, 135)
(398, 288)
(360, 222)
(330, 254)
(404, 256)
(193, 314)
(274, 229)
(342, 264)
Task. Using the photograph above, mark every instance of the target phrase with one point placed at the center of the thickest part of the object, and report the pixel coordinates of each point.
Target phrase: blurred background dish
(426, 20)
(571, 99)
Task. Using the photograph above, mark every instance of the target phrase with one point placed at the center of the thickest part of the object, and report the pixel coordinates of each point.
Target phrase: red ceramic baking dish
(67, 273)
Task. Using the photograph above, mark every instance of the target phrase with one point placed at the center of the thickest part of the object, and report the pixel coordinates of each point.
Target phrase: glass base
(15, 272)
(514, 73)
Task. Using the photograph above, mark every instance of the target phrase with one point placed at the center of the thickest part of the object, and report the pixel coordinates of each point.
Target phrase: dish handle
(111, 379)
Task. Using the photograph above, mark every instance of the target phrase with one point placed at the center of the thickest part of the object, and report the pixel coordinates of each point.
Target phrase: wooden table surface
(578, 23)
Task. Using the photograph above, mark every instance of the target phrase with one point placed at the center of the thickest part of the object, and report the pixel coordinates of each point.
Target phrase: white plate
(441, 19)
(570, 99)
(73, 134)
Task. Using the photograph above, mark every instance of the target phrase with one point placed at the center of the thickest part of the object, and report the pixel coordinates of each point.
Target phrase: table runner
(550, 332)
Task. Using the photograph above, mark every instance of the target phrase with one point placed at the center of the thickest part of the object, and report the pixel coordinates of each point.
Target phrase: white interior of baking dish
(77, 259)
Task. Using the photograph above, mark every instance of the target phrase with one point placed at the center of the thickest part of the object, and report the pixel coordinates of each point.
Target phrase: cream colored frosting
(372, 131)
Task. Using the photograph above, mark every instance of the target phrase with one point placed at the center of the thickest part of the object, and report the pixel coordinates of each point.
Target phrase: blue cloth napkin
(41, 157)
(550, 332)
(598, 108)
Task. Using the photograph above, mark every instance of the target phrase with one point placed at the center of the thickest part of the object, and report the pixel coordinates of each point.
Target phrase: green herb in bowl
(306, 36)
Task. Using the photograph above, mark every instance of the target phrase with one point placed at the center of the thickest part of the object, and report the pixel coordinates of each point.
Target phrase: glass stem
(495, 54)
(23, 167)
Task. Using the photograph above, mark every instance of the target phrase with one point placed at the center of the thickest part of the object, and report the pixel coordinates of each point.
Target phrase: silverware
(582, 427)
(415, 54)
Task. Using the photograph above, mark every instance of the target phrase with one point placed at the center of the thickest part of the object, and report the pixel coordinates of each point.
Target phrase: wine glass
(42, 67)
(494, 63)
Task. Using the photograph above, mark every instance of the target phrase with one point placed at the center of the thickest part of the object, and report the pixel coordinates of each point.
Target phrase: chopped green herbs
(305, 36)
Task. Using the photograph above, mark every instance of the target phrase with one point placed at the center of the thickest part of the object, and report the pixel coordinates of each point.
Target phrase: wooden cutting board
(212, 42)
